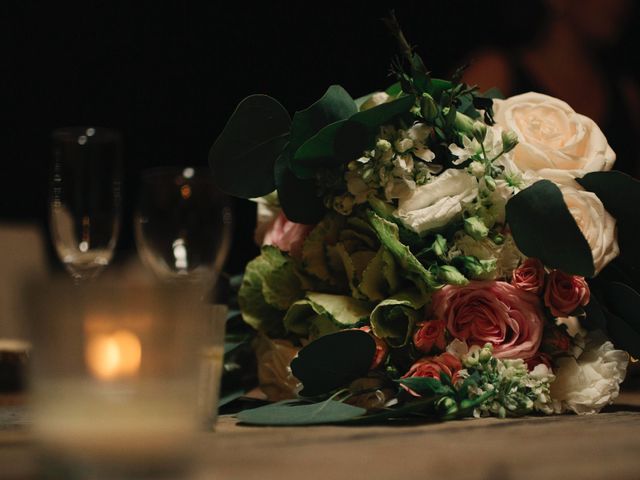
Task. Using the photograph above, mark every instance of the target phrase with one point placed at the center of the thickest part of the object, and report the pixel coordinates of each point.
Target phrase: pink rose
(382, 349)
(529, 276)
(429, 334)
(565, 293)
(432, 367)
(287, 235)
(492, 312)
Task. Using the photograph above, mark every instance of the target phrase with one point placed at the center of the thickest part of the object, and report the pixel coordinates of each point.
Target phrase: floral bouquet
(432, 250)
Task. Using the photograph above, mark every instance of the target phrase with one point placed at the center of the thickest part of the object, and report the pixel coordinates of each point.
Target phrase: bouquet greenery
(433, 250)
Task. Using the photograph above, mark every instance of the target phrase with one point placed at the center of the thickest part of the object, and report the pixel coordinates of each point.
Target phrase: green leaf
(243, 156)
(323, 313)
(346, 139)
(389, 237)
(543, 228)
(297, 413)
(393, 319)
(345, 311)
(394, 90)
(333, 361)
(314, 254)
(306, 319)
(226, 398)
(620, 195)
(425, 385)
(336, 104)
(334, 145)
(623, 323)
(376, 284)
(375, 117)
(300, 199)
(420, 407)
(255, 310)
(269, 286)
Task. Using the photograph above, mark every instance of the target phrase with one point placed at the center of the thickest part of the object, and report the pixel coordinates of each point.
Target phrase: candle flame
(114, 355)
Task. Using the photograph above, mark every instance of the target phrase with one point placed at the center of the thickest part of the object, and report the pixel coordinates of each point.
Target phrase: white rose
(552, 136)
(590, 383)
(436, 203)
(596, 224)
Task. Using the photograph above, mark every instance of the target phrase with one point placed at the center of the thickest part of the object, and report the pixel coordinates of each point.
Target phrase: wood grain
(564, 447)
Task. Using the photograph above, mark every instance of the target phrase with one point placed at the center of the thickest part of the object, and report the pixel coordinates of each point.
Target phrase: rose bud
(529, 276)
(445, 363)
(565, 293)
(429, 334)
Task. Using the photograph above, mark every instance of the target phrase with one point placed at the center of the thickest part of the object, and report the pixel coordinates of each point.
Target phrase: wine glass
(85, 198)
(182, 225)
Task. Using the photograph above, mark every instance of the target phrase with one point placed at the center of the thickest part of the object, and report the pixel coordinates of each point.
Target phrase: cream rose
(552, 136)
(591, 382)
(435, 204)
(596, 224)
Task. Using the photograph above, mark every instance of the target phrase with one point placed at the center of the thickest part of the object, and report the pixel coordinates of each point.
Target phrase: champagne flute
(85, 198)
(182, 225)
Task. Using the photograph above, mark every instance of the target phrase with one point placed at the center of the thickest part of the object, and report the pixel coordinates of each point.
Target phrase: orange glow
(185, 191)
(116, 355)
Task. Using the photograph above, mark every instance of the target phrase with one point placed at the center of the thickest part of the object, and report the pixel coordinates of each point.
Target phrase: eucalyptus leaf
(623, 323)
(300, 199)
(543, 228)
(335, 105)
(620, 195)
(297, 413)
(333, 361)
(243, 156)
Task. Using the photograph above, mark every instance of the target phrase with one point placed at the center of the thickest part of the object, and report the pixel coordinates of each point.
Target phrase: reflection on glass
(182, 225)
(84, 204)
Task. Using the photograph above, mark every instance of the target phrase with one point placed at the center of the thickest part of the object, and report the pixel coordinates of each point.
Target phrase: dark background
(169, 74)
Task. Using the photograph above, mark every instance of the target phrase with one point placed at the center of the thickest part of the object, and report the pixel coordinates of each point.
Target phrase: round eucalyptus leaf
(333, 361)
(543, 227)
(243, 156)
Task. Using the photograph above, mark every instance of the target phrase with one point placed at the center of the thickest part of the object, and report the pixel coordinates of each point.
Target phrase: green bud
(509, 140)
(464, 124)
(471, 265)
(428, 107)
(485, 355)
(490, 183)
(479, 131)
(451, 275)
(440, 246)
(475, 228)
(498, 239)
(447, 406)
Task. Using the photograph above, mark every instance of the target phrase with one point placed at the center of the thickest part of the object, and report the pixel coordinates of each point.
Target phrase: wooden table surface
(605, 446)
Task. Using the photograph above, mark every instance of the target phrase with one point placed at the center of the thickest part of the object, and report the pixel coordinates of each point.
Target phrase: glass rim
(86, 135)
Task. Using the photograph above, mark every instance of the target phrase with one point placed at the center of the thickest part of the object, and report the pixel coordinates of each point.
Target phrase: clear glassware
(85, 198)
(115, 377)
(182, 225)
